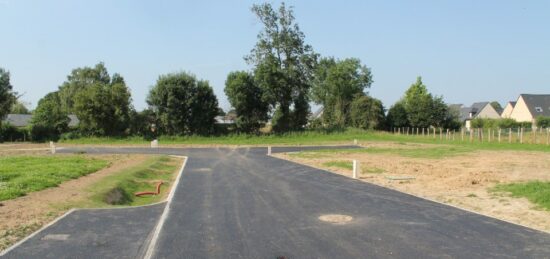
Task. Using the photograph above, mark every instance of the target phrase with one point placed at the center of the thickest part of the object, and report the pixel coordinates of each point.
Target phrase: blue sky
(465, 50)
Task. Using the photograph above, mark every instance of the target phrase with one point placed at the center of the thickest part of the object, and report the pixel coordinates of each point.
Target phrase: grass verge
(536, 192)
(340, 164)
(143, 177)
(20, 175)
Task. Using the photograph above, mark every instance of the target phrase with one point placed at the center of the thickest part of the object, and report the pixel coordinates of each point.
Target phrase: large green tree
(104, 108)
(246, 97)
(283, 66)
(7, 96)
(80, 79)
(183, 104)
(423, 109)
(336, 84)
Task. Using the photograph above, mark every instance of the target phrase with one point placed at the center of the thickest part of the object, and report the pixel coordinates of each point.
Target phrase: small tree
(367, 112)
(246, 97)
(183, 105)
(49, 119)
(397, 116)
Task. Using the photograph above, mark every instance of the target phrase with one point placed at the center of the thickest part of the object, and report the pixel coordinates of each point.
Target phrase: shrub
(11, 133)
(543, 122)
(41, 133)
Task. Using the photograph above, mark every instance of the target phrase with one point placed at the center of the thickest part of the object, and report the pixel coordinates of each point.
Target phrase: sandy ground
(26, 214)
(462, 181)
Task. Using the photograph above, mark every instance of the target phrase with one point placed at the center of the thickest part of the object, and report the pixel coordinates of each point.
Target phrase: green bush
(41, 133)
(543, 122)
(11, 133)
(507, 123)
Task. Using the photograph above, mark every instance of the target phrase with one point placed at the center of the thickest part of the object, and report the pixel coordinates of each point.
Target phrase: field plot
(509, 185)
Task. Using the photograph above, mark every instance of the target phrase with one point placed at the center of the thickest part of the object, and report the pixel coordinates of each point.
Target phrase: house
(508, 110)
(24, 120)
(530, 106)
(478, 110)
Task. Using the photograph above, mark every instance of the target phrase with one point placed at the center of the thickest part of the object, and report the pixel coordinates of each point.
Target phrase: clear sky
(467, 50)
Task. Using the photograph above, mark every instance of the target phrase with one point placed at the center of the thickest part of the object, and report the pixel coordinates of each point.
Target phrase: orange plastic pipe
(150, 193)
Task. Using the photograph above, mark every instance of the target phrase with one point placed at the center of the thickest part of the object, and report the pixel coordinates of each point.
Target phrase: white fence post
(269, 150)
(355, 141)
(155, 143)
(355, 168)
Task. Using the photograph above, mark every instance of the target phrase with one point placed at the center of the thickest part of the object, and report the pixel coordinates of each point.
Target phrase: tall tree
(367, 112)
(246, 97)
(104, 108)
(78, 80)
(284, 66)
(7, 96)
(19, 108)
(496, 105)
(336, 84)
(183, 104)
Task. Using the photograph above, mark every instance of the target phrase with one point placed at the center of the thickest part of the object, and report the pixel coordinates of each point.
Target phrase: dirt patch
(463, 181)
(26, 214)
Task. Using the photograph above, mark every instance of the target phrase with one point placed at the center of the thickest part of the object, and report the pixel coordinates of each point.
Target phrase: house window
(538, 109)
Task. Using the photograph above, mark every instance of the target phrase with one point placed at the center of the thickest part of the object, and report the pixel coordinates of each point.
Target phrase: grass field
(535, 191)
(20, 175)
(143, 177)
(310, 138)
(434, 152)
(340, 164)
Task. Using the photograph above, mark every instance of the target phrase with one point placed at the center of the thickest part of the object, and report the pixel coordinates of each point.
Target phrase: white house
(478, 110)
(508, 110)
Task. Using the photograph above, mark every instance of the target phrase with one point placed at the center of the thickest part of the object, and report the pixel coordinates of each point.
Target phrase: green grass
(20, 175)
(143, 177)
(340, 164)
(435, 152)
(312, 138)
(536, 192)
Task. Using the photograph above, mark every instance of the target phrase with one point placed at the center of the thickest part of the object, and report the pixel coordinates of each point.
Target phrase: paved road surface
(240, 203)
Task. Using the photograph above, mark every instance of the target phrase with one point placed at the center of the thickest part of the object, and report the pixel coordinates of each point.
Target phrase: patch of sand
(463, 181)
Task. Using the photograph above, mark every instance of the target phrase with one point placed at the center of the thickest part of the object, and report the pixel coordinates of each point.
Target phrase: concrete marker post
(355, 141)
(269, 150)
(52, 147)
(355, 169)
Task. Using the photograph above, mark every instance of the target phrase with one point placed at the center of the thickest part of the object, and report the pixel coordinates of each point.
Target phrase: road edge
(160, 224)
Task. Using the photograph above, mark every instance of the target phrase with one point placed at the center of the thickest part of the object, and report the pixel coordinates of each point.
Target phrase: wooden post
(510, 135)
(481, 134)
(461, 134)
(534, 136)
(434, 133)
(440, 133)
(547, 136)
(521, 136)
(499, 132)
(422, 132)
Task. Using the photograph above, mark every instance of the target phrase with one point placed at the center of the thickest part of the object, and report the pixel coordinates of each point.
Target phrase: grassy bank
(119, 188)
(20, 175)
(536, 192)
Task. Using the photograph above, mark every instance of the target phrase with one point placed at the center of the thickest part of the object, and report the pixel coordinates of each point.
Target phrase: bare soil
(463, 181)
(26, 214)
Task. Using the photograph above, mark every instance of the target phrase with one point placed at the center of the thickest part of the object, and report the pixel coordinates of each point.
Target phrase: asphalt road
(240, 203)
